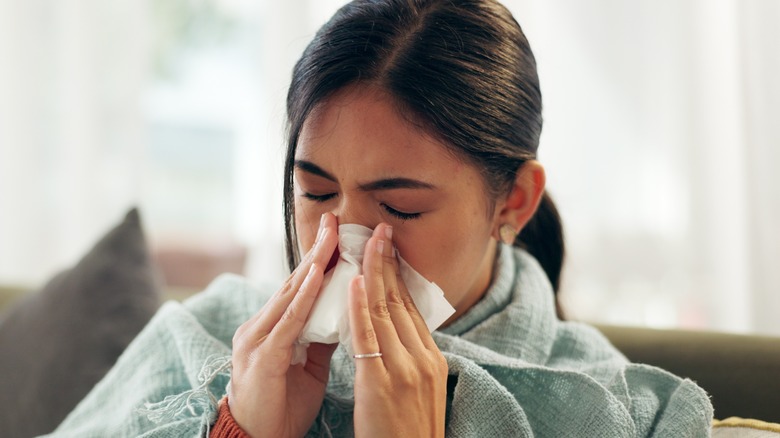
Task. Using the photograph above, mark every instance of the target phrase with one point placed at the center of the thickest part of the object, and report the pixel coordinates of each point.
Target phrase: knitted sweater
(514, 370)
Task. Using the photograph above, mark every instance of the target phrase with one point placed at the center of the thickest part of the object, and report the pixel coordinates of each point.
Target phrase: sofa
(57, 342)
(740, 372)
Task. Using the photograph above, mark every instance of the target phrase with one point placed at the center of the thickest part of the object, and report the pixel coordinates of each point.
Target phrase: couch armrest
(740, 372)
(8, 295)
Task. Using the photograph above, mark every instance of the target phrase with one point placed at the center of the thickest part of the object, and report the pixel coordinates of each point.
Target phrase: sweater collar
(496, 298)
(516, 317)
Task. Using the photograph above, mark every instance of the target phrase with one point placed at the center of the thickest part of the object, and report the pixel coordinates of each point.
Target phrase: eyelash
(398, 214)
(319, 198)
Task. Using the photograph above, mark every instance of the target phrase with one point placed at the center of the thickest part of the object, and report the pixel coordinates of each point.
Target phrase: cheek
(449, 253)
(435, 256)
(307, 223)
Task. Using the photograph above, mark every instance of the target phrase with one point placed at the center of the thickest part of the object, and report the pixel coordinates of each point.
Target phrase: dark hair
(462, 68)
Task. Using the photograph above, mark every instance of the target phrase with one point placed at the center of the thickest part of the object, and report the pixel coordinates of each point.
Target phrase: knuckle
(379, 310)
(394, 296)
(439, 363)
(368, 335)
(428, 369)
(376, 269)
(292, 315)
(237, 338)
(409, 303)
(240, 351)
(328, 240)
(442, 361)
(408, 379)
(390, 260)
(398, 275)
(239, 365)
(286, 286)
(363, 306)
(305, 260)
(253, 358)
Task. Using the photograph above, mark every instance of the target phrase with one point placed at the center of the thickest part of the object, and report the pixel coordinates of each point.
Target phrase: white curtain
(660, 141)
(660, 122)
(71, 76)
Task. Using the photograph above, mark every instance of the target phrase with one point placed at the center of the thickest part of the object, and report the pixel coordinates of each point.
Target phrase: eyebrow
(381, 184)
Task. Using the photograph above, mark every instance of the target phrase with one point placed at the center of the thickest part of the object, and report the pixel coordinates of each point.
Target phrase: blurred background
(661, 142)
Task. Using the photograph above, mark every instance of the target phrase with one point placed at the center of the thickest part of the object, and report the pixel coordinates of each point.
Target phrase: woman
(419, 119)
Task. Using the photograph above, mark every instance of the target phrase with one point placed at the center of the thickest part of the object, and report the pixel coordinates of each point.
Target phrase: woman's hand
(268, 396)
(403, 392)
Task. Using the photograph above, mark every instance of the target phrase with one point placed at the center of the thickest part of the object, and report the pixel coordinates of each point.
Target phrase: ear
(520, 205)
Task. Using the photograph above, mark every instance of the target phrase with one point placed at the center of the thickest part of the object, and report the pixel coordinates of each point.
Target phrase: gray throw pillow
(56, 344)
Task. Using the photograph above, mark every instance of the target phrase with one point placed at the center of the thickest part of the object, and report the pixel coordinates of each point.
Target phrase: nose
(355, 211)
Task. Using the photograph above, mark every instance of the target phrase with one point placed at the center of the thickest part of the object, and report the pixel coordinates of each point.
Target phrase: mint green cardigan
(515, 371)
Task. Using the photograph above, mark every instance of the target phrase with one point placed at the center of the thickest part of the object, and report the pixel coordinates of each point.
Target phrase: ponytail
(542, 237)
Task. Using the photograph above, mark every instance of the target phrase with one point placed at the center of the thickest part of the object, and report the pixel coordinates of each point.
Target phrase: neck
(480, 285)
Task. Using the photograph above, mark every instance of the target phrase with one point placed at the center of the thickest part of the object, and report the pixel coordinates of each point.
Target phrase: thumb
(318, 360)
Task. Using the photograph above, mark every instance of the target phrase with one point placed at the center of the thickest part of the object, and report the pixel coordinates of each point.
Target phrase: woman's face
(360, 160)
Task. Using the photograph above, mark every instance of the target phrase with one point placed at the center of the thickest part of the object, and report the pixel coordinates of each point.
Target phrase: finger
(249, 324)
(255, 330)
(275, 347)
(404, 325)
(289, 327)
(318, 360)
(412, 310)
(373, 273)
(320, 253)
(364, 338)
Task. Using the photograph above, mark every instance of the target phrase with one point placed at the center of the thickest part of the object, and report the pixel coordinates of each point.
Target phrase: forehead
(361, 131)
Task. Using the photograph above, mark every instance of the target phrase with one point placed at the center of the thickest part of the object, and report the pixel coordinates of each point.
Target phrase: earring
(507, 233)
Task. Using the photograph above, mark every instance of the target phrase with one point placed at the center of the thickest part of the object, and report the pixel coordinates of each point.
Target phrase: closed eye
(400, 214)
(319, 198)
(392, 211)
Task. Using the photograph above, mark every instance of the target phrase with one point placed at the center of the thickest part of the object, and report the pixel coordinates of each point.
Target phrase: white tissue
(328, 321)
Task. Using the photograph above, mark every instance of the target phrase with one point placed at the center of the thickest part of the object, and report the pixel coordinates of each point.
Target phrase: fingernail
(362, 282)
(320, 230)
(389, 232)
(380, 246)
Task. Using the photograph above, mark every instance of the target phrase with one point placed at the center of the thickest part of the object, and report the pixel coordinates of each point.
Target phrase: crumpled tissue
(328, 321)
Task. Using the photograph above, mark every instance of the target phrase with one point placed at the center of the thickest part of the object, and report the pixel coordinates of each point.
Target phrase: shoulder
(581, 380)
(579, 346)
(658, 402)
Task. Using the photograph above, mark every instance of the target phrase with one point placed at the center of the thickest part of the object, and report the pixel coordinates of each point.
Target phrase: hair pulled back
(462, 68)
